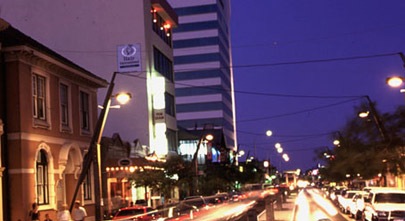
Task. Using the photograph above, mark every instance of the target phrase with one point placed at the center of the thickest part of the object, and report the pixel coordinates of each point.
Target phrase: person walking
(34, 212)
(78, 213)
(63, 213)
(47, 217)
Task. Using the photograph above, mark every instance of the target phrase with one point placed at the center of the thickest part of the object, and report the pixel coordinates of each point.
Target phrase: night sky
(300, 67)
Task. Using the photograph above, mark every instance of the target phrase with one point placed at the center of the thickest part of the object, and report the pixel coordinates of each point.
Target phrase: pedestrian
(78, 213)
(47, 217)
(34, 212)
(63, 213)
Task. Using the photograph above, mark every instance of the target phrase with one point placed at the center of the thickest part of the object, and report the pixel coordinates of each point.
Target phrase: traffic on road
(311, 203)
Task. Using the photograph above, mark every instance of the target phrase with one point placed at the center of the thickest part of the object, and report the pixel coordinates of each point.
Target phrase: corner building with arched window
(48, 106)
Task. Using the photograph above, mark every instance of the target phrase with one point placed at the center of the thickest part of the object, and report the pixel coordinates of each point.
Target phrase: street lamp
(266, 165)
(93, 155)
(395, 81)
(381, 128)
(194, 161)
(376, 118)
(336, 142)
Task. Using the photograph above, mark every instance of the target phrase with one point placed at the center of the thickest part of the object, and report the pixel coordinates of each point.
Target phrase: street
(309, 204)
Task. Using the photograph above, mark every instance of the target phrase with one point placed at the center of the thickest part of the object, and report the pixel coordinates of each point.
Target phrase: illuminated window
(161, 27)
(42, 178)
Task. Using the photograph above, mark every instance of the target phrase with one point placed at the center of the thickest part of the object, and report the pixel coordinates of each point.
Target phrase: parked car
(335, 192)
(356, 205)
(384, 204)
(136, 213)
(345, 198)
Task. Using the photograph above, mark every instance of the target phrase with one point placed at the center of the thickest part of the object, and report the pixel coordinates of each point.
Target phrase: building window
(42, 178)
(64, 105)
(162, 28)
(170, 104)
(39, 97)
(87, 186)
(162, 64)
(171, 140)
(84, 111)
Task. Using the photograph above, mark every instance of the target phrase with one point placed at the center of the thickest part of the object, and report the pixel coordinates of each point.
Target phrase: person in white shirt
(63, 213)
(78, 213)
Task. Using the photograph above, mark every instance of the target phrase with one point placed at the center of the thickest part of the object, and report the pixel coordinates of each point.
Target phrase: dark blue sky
(302, 101)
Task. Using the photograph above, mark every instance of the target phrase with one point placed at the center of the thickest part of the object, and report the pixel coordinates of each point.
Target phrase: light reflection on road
(311, 206)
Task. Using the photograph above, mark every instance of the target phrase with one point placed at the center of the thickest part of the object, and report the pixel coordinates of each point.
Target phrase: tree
(364, 151)
(162, 176)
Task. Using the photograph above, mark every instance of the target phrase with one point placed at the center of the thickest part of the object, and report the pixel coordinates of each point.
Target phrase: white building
(89, 33)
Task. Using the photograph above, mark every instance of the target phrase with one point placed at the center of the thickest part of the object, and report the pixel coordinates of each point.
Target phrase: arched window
(42, 178)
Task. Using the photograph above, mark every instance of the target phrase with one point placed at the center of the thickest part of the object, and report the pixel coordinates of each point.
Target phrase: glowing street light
(395, 81)
(241, 153)
(269, 133)
(364, 114)
(123, 98)
(286, 157)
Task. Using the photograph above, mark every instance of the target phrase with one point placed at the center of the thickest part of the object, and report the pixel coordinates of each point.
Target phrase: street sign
(129, 58)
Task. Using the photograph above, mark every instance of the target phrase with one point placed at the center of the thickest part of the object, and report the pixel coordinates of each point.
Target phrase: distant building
(120, 161)
(203, 73)
(48, 106)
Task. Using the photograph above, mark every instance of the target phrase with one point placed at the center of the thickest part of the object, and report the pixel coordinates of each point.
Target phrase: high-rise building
(203, 73)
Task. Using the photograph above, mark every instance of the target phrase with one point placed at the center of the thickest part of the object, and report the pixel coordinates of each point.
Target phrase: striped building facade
(203, 73)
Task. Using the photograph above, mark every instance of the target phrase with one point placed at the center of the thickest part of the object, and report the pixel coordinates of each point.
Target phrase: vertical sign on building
(129, 58)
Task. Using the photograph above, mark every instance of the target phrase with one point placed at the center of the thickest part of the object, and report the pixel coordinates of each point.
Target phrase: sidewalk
(283, 214)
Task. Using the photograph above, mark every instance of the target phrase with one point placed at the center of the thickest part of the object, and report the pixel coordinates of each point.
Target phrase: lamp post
(376, 118)
(381, 128)
(194, 162)
(396, 81)
(94, 155)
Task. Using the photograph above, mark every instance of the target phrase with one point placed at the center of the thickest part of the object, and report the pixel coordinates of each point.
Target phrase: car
(335, 192)
(237, 196)
(384, 204)
(136, 213)
(345, 198)
(356, 205)
(191, 203)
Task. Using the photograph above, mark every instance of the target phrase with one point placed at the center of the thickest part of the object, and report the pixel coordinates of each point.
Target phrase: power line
(250, 92)
(317, 60)
(299, 112)
(280, 135)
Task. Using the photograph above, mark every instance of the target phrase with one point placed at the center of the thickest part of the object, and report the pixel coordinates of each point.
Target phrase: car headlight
(382, 213)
